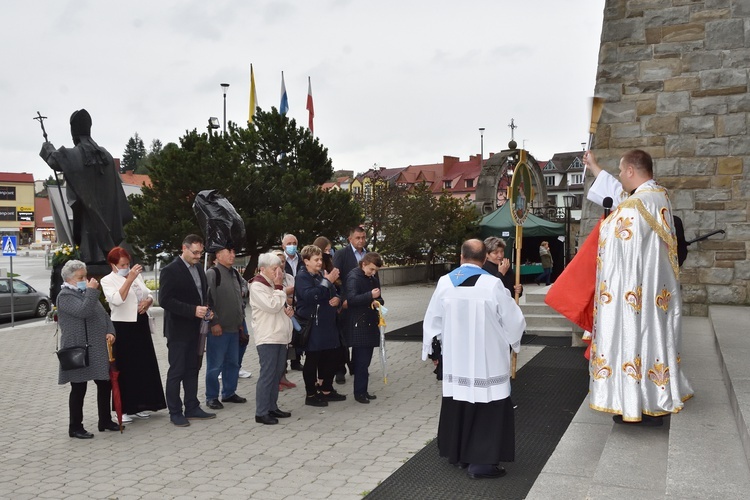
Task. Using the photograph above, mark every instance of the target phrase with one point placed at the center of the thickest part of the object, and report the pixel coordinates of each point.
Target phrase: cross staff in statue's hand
(41, 123)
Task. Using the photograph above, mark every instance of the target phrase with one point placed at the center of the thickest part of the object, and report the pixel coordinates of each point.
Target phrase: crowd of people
(204, 312)
(310, 306)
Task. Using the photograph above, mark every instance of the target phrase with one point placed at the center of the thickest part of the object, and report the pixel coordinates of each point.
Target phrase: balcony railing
(551, 213)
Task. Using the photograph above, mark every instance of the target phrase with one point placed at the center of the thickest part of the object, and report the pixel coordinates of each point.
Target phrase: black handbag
(302, 336)
(72, 358)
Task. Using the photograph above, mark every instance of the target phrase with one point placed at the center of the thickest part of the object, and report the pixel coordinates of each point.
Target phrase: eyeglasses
(197, 253)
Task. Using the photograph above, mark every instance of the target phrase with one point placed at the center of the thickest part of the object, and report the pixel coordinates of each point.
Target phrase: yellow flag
(253, 97)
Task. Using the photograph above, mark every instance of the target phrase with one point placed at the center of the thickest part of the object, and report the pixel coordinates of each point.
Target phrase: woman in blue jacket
(317, 301)
(361, 331)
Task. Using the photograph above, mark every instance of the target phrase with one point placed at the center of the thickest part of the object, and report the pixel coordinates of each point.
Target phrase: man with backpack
(222, 345)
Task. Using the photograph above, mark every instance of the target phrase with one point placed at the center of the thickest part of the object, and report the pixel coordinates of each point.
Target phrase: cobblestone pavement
(341, 451)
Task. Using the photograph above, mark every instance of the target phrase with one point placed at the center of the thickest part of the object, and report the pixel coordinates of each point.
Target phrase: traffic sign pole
(10, 248)
(12, 298)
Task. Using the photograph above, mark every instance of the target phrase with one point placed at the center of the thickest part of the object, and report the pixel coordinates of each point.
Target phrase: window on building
(447, 184)
(357, 190)
(576, 179)
(469, 183)
(549, 180)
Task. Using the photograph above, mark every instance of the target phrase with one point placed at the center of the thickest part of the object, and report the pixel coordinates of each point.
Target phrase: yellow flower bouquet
(64, 254)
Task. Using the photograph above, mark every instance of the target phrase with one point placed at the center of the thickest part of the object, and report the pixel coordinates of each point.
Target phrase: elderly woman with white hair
(83, 320)
(272, 325)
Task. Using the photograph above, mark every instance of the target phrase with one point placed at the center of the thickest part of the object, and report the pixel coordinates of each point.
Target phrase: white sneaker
(245, 374)
(126, 419)
(141, 415)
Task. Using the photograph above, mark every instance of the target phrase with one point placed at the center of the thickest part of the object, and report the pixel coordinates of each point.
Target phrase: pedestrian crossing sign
(9, 246)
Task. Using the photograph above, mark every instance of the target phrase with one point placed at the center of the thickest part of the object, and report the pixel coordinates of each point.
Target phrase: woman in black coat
(317, 301)
(361, 331)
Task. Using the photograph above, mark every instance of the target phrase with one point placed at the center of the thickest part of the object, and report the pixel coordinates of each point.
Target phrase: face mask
(123, 272)
(291, 250)
(81, 285)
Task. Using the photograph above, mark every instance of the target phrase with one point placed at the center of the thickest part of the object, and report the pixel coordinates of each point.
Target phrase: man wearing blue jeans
(222, 345)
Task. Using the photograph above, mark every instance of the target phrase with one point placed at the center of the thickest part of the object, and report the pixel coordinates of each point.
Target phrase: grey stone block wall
(675, 76)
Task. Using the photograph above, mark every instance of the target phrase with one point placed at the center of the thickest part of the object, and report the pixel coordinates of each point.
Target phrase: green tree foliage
(144, 164)
(378, 203)
(424, 227)
(271, 173)
(135, 152)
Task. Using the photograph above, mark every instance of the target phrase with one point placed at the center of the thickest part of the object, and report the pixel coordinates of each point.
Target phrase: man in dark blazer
(182, 293)
(345, 260)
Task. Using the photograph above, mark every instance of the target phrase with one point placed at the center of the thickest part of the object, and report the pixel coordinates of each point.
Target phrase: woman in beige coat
(272, 326)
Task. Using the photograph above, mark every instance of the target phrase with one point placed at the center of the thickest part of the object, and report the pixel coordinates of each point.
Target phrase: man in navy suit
(345, 260)
(182, 294)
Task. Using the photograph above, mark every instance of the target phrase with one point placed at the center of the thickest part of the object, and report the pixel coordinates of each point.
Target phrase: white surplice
(635, 351)
(476, 325)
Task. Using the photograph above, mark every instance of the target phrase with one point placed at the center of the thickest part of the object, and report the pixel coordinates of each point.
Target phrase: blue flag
(284, 107)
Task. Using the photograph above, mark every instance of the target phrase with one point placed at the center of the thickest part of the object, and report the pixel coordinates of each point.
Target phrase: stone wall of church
(674, 74)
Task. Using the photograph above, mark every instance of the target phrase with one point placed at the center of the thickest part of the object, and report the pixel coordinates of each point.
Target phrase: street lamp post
(481, 146)
(224, 87)
(569, 201)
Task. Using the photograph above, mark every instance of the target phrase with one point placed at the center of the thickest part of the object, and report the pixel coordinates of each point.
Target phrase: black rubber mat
(409, 333)
(413, 333)
(548, 390)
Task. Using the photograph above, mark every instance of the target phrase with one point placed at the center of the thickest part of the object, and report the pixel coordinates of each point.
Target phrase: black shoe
(296, 365)
(279, 414)
(109, 426)
(370, 396)
(341, 378)
(361, 398)
(646, 421)
(332, 396)
(494, 473)
(461, 465)
(80, 434)
(315, 400)
(214, 404)
(179, 420)
(234, 398)
(266, 420)
(199, 414)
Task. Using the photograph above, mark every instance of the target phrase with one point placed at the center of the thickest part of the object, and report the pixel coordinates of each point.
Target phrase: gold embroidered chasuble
(635, 351)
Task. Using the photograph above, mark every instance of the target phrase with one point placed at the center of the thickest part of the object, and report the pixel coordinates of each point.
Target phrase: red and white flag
(310, 107)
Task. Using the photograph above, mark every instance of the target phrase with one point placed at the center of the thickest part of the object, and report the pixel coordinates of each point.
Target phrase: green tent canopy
(500, 223)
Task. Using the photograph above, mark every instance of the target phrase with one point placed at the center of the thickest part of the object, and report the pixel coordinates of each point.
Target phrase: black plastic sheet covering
(220, 222)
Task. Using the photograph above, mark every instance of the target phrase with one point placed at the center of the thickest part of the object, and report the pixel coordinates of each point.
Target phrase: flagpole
(253, 96)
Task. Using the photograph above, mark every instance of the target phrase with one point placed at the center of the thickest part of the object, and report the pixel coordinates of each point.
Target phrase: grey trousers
(272, 358)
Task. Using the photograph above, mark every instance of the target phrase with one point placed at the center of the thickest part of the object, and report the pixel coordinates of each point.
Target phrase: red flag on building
(309, 106)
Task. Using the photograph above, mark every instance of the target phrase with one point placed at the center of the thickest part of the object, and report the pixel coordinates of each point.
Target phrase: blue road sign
(10, 246)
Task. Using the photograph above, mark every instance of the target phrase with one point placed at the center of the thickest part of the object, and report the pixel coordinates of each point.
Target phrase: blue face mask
(291, 250)
(81, 285)
(123, 272)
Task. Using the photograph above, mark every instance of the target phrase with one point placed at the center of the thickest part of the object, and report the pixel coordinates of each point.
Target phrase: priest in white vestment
(635, 350)
(478, 323)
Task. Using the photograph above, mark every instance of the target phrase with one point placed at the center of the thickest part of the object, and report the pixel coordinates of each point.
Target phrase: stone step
(538, 309)
(534, 294)
(544, 320)
(697, 454)
(549, 331)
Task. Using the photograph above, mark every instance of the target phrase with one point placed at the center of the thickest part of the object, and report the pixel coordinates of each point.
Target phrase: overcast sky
(395, 82)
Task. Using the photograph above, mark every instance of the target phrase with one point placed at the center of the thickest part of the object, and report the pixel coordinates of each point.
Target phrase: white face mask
(123, 272)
